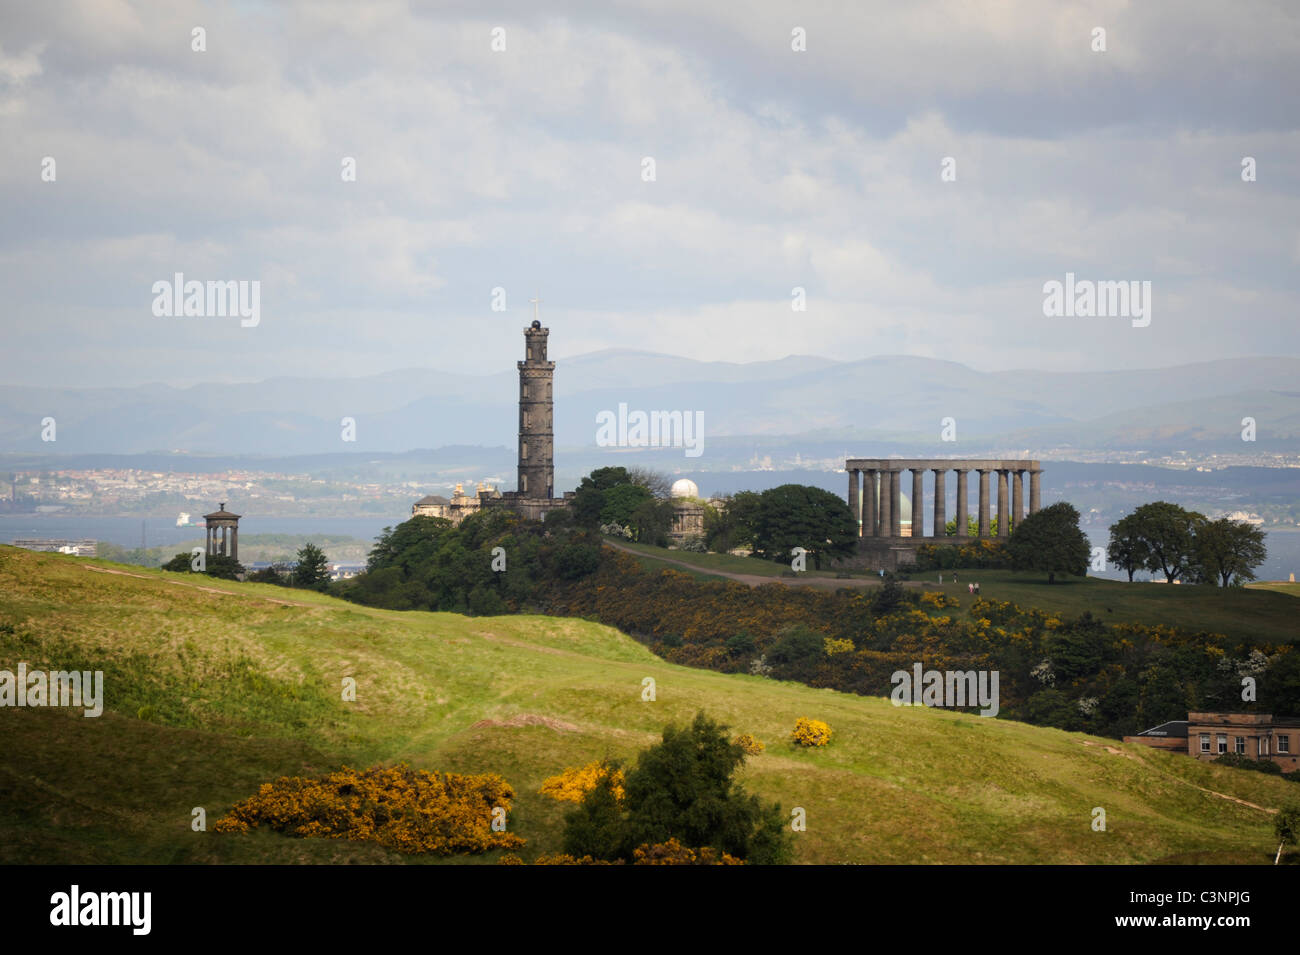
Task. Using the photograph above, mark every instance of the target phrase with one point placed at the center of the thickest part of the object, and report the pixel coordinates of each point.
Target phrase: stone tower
(536, 413)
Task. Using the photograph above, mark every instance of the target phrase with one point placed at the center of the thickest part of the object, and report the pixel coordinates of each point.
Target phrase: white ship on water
(183, 520)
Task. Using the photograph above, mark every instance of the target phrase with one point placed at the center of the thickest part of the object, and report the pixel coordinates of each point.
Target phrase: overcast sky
(523, 169)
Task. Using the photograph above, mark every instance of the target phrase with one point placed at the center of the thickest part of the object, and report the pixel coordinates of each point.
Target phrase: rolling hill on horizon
(887, 398)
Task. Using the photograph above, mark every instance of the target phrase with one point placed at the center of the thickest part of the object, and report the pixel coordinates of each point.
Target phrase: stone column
(984, 503)
(918, 496)
(234, 542)
(207, 545)
(869, 528)
(1004, 512)
(886, 498)
(1033, 490)
(855, 506)
(940, 504)
(895, 503)
(962, 510)
(1017, 497)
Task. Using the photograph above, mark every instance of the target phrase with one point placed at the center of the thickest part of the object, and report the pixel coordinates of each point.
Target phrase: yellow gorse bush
(834, 646)
(751, 746)
(574, 783)
(810, 732)
(403, 809)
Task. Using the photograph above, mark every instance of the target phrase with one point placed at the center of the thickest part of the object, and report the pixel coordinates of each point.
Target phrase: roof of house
(1174, 728)
(431, 499)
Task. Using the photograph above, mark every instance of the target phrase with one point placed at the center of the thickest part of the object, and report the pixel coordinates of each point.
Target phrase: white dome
(684, 487)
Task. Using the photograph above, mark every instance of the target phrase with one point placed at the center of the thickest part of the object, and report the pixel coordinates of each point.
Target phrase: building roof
(1174, 728)
(431, 499)
(220, 515)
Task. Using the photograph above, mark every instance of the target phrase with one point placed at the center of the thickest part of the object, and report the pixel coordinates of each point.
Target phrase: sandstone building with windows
(1259, 736)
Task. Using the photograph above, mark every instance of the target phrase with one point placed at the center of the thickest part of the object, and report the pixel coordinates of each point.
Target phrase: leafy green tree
(1225, 549)
(682, 788)
(1128, 546)
(589, 496)
(620, 503)
(972, 526)
(651, 521)
(1168, 531)
(1050, 540)
(732, 524)
(598, 827)
(313, 567)
(797, 515)
(215, 565)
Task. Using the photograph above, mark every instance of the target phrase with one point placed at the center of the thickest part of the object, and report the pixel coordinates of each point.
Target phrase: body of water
(1283, 546)
(162, 532)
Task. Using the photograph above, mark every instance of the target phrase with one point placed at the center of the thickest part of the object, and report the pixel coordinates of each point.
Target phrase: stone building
(688, 512)
(1257, 736)
(458, 507)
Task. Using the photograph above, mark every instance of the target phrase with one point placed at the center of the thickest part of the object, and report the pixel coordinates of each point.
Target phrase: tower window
(523, 483)
(523, 449)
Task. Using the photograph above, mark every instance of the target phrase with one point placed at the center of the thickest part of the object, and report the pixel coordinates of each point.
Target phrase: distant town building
(1257, 736)
(49, 545)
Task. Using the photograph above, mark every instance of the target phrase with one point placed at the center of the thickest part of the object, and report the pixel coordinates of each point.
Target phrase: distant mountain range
(895, 401)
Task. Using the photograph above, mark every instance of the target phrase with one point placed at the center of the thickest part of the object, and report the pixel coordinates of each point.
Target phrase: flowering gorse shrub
(751, 746)
(938, 600)
(574, 783)
(810, 732)
(400, 808)
(834, 645)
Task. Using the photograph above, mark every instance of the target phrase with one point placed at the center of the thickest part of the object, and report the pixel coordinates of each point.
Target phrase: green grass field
(213, 688)
(1264, 611)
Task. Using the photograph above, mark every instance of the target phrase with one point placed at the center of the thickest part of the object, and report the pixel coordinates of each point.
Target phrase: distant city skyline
(921, 172)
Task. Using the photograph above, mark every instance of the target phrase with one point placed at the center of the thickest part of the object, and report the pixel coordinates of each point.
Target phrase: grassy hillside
(214, 687)
(1265, 611)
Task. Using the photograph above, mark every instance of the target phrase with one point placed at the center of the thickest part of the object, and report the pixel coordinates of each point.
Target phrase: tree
(215, 565)
(972, 526)
(797, 515)
(620, 502)
(651, 521)
(313, 567)
(1128, 547)
(732, 524)
(1287, 829)
(1225, 549)
(656, 482)
(682, 788)
(589, 497)
(1168, 532)
(1050, 540)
